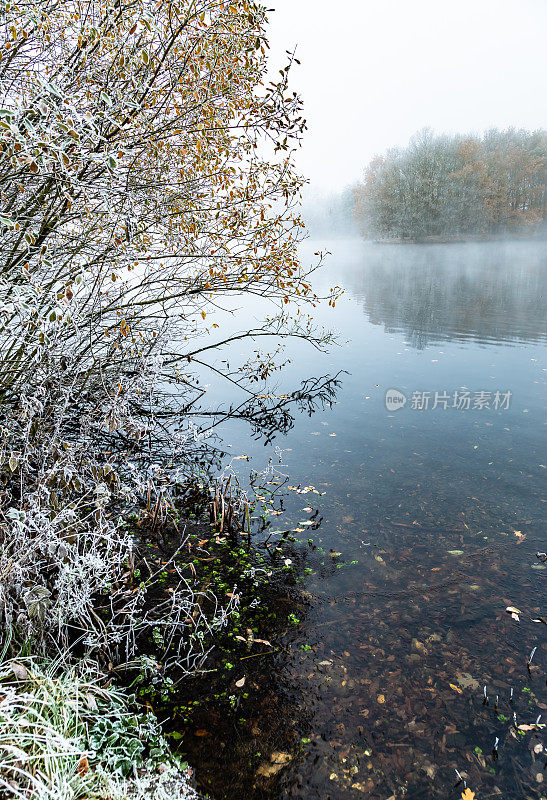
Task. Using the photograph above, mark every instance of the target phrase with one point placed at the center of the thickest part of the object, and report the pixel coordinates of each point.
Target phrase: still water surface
(380, 694)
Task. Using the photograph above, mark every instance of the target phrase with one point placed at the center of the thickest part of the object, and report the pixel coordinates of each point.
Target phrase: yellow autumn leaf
(456, 688)
(468, 795)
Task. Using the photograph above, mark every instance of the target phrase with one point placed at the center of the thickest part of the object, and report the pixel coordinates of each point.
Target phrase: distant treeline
(455, 186)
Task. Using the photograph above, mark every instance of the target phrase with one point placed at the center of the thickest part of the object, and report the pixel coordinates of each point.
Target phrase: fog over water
(487, 292)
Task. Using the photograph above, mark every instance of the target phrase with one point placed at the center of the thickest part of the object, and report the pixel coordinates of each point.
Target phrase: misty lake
(435, 510)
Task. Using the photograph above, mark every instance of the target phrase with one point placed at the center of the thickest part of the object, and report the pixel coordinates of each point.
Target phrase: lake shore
(540, 236)
(243, 592)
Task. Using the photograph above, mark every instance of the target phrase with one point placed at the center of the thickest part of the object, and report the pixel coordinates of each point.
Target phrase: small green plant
(122, 740)
(157, 635)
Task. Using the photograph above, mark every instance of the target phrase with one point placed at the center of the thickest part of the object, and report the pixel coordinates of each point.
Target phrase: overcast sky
(374, 72)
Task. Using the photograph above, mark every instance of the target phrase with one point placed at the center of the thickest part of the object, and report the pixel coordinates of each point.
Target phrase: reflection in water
(378, 692)
(436, 293)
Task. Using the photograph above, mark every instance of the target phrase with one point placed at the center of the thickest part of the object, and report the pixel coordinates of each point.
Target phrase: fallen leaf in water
(467, 682)
(514, 612)
(267, 770)
(240, 682)
(277, 757)
(455, 552)
(468, 795)
(527, 727)
(381, 698)
(456, 688)
(430, 770)
(202, 732)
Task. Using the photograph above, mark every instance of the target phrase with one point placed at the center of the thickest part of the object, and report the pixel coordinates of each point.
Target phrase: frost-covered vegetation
(62, 735)
(146, 173)
(455, 186)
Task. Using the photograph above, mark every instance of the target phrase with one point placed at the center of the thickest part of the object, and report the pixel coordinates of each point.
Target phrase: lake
(434, 503)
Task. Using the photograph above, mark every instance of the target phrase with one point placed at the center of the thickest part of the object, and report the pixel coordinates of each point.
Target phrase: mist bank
(330, 216)
(486, 292)
(455, 187)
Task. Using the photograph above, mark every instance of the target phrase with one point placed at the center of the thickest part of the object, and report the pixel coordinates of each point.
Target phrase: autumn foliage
(146, 174)
(455, 186)
(144, 168)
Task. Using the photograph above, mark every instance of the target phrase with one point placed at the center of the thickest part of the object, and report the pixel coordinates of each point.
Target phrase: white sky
(375, 71)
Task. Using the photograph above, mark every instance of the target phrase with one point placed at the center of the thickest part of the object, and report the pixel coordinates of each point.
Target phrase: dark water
(379, 692)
